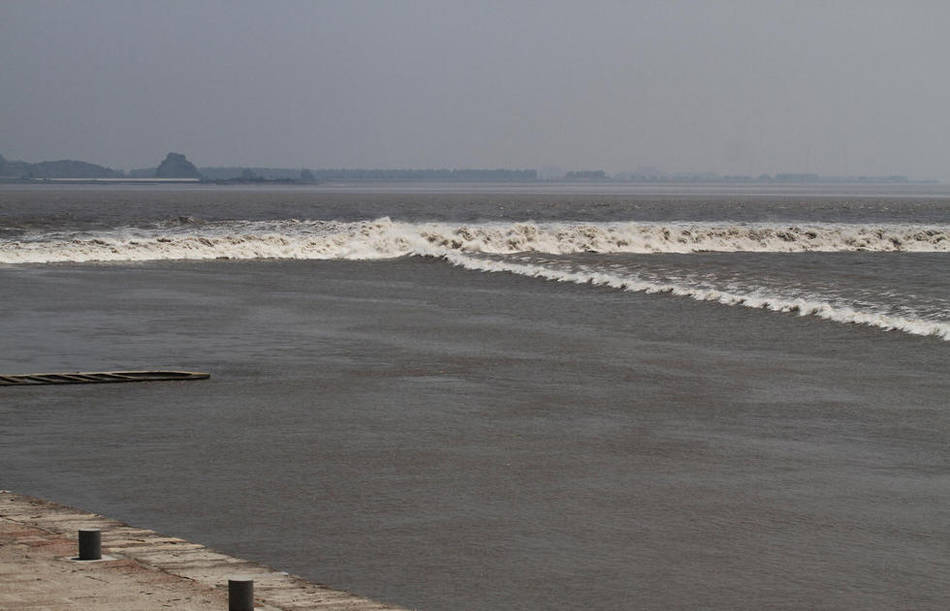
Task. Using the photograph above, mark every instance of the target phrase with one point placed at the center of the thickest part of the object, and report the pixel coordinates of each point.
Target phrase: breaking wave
(802, 306)
(384, 238)
(482, 246)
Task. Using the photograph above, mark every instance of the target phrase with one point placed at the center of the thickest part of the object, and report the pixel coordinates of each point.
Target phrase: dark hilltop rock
(176, 165)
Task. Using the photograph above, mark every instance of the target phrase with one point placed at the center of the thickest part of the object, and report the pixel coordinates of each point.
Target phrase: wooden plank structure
(98, 377)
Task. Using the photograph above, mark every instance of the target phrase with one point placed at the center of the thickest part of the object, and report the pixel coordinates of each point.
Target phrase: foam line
(757, 299)
(384, 238)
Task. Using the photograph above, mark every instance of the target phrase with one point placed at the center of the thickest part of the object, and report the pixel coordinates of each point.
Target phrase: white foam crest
(230, 240)
(384, 238)
(755, 299)
(633, 237)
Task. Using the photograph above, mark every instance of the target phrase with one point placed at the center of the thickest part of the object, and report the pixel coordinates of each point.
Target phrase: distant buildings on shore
(680, 177)
(176, 168)
(653, 175)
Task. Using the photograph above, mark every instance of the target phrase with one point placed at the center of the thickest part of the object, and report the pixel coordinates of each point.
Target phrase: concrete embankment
(140, 569)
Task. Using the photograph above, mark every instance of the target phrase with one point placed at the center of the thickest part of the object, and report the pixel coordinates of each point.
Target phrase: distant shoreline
(29, 181)
(177, 168)
(591, 183)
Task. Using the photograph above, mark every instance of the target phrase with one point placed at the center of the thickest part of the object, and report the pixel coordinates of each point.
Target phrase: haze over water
(849, 88)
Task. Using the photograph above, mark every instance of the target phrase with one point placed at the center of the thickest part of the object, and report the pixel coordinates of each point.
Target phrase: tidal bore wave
(465, 244)
(384, 238)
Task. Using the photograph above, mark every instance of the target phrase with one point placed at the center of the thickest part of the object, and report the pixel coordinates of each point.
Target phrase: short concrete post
(240, 595)
(90, 544)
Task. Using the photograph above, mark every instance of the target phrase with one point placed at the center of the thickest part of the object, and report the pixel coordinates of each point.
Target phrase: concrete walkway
(141, 569)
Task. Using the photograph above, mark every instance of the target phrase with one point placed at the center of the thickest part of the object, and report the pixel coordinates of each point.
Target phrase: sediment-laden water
(499, 398)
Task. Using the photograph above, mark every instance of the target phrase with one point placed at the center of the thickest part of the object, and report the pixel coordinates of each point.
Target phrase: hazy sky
(834, 87)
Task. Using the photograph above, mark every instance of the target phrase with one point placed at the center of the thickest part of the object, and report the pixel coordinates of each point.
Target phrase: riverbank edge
(38, 537)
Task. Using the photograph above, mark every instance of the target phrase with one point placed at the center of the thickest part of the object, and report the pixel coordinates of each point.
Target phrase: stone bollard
(90, 544)
(240, 595)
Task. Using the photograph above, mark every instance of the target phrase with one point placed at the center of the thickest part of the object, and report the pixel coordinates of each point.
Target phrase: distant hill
(176, 165)
(66, 168)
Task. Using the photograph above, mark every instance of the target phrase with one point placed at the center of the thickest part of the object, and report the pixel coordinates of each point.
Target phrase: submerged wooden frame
(99, 377)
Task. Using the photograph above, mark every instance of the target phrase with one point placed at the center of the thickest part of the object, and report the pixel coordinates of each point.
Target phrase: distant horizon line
(543, 173)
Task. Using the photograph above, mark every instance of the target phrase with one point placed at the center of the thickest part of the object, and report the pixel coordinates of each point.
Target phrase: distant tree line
(586, 175)
(360, 175)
